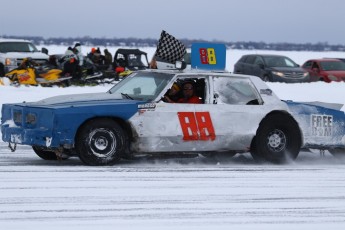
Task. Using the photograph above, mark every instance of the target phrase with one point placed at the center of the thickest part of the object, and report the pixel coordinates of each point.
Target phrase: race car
(234, 114)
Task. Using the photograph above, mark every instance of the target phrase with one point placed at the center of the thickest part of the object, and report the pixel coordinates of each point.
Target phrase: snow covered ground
(195, 193)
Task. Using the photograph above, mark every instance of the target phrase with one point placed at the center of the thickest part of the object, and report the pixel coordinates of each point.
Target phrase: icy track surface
(190, 193)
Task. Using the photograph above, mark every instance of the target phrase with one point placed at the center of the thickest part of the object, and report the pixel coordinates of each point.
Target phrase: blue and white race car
(237, 113)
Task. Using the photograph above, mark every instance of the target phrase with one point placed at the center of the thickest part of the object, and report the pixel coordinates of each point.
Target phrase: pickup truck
(13, 51)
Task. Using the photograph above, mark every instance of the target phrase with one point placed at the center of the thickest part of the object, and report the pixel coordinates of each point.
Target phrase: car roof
(265, 55)
(130, 51)
(13, 40)
(197, 72)
(325, 59)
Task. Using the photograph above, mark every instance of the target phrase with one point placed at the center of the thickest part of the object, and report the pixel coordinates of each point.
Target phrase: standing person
(189, 94)
(77, 51)
(108, 58)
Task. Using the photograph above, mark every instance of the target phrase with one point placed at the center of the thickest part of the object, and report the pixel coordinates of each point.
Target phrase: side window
(289, 63)
(258, 61)
(184, 88)
(243, 59)
(307, 65)
(235, 91)
(250, 59)
(315, 65)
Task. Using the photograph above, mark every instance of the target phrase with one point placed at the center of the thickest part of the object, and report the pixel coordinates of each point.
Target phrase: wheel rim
(102, 142)
(276, 140)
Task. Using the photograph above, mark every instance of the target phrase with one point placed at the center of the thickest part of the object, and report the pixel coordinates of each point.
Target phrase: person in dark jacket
(108, 58)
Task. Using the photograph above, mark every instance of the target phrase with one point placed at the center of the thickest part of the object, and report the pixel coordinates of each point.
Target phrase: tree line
(149, 42)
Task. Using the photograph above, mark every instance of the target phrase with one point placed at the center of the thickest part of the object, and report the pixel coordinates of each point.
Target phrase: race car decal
(321, 125)
(23, 77)
(196, 126)
(146, 107)
(208, 56)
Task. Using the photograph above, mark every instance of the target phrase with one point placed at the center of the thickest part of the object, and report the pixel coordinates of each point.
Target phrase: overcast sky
(296, 21)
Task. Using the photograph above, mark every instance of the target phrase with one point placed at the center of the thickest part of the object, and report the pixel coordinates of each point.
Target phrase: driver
(189, 94)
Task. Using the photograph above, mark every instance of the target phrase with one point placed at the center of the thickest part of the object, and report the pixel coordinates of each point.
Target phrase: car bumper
(34, 137)
(276, 78)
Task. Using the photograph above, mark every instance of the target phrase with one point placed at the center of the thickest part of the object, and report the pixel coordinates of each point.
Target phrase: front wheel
(100, 142)
(266, 78)
(278, 139)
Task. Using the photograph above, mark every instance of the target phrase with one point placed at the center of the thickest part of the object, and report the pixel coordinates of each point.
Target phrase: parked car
(14, 51)
(237, 114)
(325, 69)
(273, 68)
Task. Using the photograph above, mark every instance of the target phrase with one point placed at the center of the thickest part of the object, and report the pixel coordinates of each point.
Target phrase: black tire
(47, 154)
(278, 139)
(100, 142)
(2, 70)
(266, 78)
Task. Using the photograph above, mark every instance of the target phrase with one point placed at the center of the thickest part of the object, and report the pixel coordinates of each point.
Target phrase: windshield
(333, 65)
(6, 47)
(277, 61)
(143, 86)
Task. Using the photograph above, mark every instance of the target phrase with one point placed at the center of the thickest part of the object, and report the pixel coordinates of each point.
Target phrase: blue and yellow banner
(208, 56)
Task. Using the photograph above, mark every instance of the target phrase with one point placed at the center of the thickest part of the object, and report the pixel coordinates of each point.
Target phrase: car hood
(33, 55)
(288, 69)
(81, 100)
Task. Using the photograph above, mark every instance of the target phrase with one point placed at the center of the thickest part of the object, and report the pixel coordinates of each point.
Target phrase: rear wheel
(100, 142)
(278, 139)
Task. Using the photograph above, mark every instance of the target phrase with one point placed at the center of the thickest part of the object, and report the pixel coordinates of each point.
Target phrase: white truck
(13, 51)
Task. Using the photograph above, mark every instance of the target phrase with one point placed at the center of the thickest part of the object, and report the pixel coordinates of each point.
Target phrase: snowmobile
(30, 73)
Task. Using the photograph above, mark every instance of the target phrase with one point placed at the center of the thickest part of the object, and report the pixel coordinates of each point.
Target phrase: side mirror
(261, 66)
(180, 65)
(44, 50)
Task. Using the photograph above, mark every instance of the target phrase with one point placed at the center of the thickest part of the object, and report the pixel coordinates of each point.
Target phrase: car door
(248, 67)
(235, 110)
(258, 67)
(170, 127)
(314, 70)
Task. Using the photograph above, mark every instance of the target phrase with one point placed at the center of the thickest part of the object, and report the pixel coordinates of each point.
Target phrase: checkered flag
(169, 48)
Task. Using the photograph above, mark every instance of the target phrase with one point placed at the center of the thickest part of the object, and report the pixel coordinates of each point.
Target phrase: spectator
(108, 58)
(77, 51)
(69, 63)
